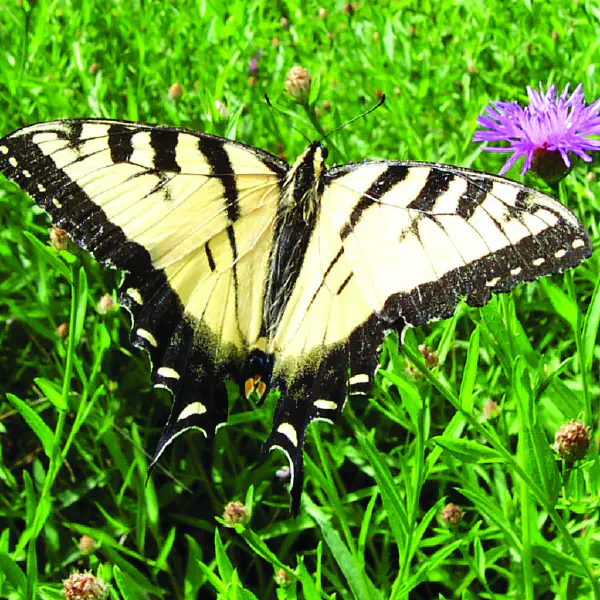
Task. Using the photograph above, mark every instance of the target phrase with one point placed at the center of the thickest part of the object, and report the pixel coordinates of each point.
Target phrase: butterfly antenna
(285, 117)
(363, 114)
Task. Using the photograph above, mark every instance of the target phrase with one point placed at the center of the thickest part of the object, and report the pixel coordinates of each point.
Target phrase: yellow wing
(420, 237)
(399, 244)
(189, 217)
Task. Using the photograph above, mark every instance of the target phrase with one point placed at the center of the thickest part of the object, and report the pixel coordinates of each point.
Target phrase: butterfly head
(304, 183)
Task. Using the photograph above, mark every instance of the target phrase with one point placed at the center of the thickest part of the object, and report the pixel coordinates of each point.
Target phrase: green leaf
(429, 565)
(214, 580)
(82, 295)
(562, 304)
(538, 459)
(12, 572)
(49, 256)
(52, 391)
(223, 563)
(388, 488)
(470, 373)
(591, 324)
(30, 499)
(411, 399)
(558, 561)
(261, 549)
(489, 510)
(129, 590)
(36, 423)
(468, 451)
(309, 587)
(48, 593)
(362, 588)
(167, 545)
(194, 578)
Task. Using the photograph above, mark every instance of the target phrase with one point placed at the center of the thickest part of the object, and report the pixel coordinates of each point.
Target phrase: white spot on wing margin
(168, 372)
(325, 404)
(146, 335)
(290, 433)
(360, 378)
(287, 455)
(194, 408)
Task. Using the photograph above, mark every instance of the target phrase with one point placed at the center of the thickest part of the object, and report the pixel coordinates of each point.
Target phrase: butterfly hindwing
(188, 217)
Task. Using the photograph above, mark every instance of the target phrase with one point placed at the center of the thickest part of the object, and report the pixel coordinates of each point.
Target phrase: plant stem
(43, 507)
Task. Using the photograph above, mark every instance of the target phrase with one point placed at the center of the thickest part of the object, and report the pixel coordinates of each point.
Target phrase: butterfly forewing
(189, 217)
(445, 233)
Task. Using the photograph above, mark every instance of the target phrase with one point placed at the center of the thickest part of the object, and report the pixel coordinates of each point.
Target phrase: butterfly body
(239, 266)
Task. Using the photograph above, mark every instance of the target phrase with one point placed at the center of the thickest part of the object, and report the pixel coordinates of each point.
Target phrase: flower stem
(43, 508)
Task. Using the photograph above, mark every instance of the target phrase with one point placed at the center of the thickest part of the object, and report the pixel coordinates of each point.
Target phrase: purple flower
(544, 132)
(253, 65)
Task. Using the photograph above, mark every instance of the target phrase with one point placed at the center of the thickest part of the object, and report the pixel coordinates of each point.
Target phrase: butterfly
(239, 266)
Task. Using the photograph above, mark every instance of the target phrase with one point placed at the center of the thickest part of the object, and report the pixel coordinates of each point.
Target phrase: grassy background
(370, 526)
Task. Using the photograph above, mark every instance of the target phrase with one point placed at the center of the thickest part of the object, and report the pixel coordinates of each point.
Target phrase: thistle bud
(87, 544)
(84, 586)
(59, 239)
(282, 578)
(429, 356)
(236, 513)
(297, 84)
(176, 91)
(572, 441)
(549, 165)
(452, 514)
(490, 409)
(106, 304)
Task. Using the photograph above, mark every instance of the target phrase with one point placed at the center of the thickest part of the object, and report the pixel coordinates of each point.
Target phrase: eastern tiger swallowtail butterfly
(239, 266)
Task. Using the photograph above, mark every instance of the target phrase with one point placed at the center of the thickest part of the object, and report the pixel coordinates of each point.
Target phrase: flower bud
(84, 586)
(452, 514)
(490, 409)
(176, 91)
(236, 513)
(106, 304)
(87, 544)
(429, 356)
(572, 441)
(549, 165)
(297, 84)
(282, 578)
(59, 239)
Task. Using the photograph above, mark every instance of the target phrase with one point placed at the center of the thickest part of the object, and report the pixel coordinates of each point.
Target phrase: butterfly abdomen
(296, 219)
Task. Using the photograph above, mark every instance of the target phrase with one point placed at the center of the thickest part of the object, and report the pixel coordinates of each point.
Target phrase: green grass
(78, 414)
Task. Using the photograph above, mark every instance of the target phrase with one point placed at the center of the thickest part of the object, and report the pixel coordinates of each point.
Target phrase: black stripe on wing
(187, 358)
(551, 251)
(559, 246)
(382, 185)
(318, 391)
